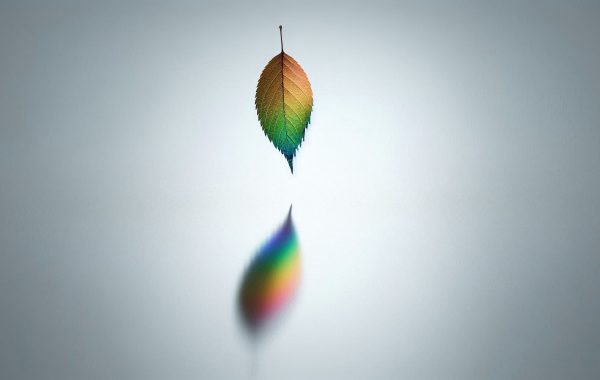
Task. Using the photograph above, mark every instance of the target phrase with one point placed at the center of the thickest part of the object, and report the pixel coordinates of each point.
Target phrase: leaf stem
(281, 37)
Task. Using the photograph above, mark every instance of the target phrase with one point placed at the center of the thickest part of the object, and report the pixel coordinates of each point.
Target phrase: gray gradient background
(447, 196)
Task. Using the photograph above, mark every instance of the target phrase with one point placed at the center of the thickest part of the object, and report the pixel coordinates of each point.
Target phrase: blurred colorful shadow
(272, 277)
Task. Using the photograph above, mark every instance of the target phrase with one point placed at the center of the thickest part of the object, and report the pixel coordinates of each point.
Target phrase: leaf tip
(289, 160)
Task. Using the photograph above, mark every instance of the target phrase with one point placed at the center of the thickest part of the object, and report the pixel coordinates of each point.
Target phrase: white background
(446, 197)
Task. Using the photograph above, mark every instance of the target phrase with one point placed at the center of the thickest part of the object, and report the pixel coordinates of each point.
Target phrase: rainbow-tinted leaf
(284, 103)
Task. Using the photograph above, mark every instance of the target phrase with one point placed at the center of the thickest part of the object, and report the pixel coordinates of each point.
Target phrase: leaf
(284, 103)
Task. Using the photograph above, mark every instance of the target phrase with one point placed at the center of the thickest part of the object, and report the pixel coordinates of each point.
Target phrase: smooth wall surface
(446, 198)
